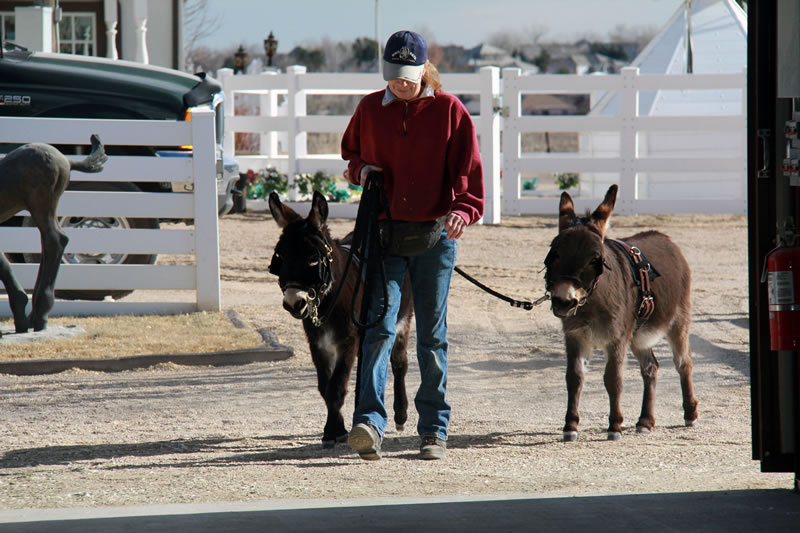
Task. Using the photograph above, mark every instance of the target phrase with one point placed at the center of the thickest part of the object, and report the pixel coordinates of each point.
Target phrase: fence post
(297, 138)
(268, 107)
(225, 76)
(628, 142)
(490, 143)
(205, 211)
(511, 142)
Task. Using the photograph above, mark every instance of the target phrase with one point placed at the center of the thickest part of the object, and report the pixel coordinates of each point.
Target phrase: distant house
(147, 31)
(547, 104)
(570, 64)
(485, 55)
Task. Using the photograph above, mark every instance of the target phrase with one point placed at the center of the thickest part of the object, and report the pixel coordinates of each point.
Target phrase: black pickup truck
(69, 86)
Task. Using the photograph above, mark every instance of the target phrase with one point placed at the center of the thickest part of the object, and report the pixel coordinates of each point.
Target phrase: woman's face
(404, 89)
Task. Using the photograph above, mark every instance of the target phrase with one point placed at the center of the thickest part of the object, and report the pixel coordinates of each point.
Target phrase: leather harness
(643, 272)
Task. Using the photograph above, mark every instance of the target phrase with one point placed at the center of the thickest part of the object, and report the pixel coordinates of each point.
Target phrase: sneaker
(432, 448)
(365, 440)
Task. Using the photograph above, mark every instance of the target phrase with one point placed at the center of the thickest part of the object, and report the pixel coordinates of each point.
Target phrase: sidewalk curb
(118, 364)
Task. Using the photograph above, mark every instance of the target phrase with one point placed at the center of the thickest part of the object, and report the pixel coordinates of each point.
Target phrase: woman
(424, 143)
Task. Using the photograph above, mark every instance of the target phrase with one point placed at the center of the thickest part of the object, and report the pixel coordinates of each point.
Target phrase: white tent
(718, 45)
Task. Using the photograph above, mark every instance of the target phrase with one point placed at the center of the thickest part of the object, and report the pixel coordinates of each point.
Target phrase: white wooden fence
(296, 85)
(627, 160)
(628, 164)
(200, 241)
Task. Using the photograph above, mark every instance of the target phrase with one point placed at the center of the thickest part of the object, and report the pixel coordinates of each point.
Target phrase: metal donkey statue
(33, 177)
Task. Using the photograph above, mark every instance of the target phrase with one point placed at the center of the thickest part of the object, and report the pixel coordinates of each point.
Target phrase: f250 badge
(15, 99)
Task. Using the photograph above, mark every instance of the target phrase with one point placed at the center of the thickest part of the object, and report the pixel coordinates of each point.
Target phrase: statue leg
(17, 298)
(54, 241)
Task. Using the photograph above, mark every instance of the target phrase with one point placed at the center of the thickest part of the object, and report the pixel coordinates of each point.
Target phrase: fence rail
(628, 164)
(201, 241)
(628, 161)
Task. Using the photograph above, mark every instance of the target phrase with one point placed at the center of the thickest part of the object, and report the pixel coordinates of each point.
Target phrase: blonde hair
(430, 77)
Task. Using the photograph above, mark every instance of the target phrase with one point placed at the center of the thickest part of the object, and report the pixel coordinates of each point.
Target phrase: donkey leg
(323, 366)
(648, 365)
(678, 337)
(612, 378)
(54, 241)
(399, 361)
(332, 376)
(17, 298)
(577, 351)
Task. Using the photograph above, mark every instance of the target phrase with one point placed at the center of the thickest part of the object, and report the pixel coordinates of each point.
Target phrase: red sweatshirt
(428, 150)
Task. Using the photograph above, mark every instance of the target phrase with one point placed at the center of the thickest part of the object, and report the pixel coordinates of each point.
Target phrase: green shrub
(260, 184)
(567, 180)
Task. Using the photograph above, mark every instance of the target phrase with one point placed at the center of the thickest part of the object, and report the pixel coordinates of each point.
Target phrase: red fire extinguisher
(783, 286)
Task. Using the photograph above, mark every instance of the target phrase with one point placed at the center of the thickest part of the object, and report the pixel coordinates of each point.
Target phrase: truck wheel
(99, 258)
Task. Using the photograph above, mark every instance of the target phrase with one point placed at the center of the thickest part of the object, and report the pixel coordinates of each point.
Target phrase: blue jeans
(430, 275)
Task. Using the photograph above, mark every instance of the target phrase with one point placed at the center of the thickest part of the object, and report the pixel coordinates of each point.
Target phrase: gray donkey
(609, 295)
(33, 177)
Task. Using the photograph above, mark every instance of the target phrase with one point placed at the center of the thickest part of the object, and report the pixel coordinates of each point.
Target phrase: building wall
(164, 35)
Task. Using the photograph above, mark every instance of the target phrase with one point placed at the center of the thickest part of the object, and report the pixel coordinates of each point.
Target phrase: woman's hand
(365, 170)
(455, 226)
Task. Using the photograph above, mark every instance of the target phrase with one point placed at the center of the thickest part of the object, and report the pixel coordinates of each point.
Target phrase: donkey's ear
(319, 210)
(602, 214)
(566, 212)
(283, 214)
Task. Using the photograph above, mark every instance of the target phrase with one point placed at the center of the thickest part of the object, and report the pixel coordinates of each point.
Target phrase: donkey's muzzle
(566, 298)
(296, 302)
(564, 308)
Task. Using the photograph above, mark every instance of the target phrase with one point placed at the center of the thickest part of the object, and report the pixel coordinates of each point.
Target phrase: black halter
(325, 280)
(599, 266)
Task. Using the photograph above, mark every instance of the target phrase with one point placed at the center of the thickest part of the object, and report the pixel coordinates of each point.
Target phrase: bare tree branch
(198, 24)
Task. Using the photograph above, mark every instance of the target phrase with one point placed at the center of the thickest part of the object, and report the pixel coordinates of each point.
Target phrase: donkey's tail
(95, 160)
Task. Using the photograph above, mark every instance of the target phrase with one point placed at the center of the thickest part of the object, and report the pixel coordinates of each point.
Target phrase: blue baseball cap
(404, 56)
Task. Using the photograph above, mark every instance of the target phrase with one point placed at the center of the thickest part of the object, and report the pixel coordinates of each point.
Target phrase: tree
(365, 50)
(542, 61)
(638, 35)
(515, 40)
(198, 23)
(336, 54)
(313, 59)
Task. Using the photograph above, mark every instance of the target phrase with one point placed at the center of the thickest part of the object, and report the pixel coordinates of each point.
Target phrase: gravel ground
(179, 435)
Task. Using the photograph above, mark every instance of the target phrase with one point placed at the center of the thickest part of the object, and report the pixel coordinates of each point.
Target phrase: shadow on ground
(277, 449)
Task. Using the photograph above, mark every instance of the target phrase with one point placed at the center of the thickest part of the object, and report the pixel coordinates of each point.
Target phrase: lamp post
(270, 47)
(239, 60)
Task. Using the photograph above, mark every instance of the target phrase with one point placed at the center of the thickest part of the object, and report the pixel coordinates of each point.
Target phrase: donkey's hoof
(690, 423)
(327, 444)
(399, 427)
(642, 430)
(614, 435)
(570, 436)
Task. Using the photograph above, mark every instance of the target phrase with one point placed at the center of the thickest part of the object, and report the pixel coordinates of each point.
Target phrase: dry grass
(120, 336)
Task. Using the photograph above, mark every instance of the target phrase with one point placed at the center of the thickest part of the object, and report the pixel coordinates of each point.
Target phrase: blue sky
(462, 22)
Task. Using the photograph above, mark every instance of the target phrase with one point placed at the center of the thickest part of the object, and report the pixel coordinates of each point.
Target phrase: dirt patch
(115, 336)
(173, 435)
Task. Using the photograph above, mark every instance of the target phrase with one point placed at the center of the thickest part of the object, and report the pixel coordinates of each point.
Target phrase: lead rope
(364, 246)
(366, 243)
(524, 304)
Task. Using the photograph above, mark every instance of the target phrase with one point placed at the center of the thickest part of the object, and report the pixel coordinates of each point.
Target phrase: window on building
(7, 23)
(76, 34)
